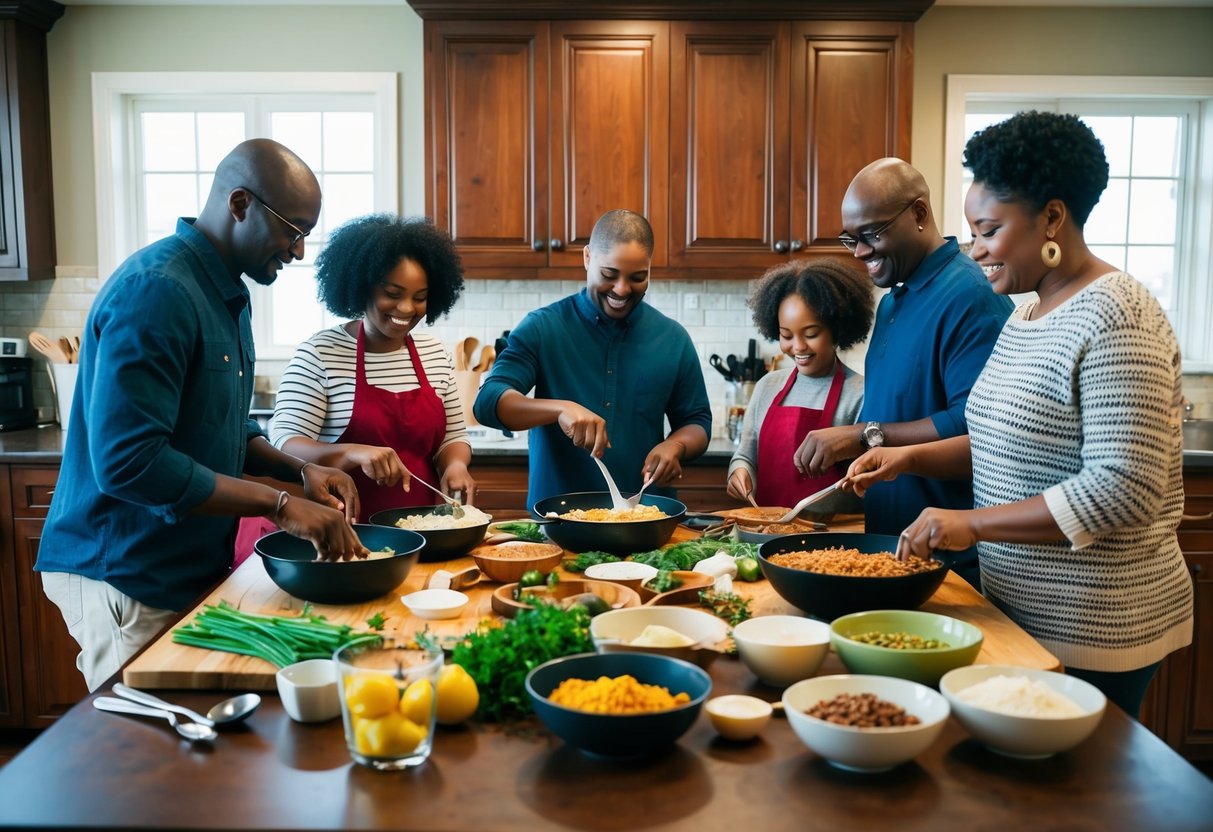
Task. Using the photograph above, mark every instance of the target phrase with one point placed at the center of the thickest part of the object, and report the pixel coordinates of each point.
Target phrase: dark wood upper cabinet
(736, 138)
(27, 213)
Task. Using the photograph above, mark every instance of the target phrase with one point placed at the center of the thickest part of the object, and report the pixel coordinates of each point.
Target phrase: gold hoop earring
(1050, 254)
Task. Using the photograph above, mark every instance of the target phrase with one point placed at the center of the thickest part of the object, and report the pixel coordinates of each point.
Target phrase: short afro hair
(363, 251)
(839, 294)
(1033, 157)
(621, 226)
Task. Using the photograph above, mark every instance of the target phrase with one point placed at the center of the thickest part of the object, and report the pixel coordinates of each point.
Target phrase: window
(165, 142)
(1158, 143)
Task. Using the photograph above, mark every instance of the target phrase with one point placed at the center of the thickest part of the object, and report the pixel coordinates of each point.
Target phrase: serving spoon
(234, 709)
(456, 508)
(192, 731)
(617, 501)
(809, 500)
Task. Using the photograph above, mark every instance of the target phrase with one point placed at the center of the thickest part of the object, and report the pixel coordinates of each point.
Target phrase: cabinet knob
(1196, 518)
(781, 246)
(537, 245)
(557, 244)
(1195, 569)
(797, 245)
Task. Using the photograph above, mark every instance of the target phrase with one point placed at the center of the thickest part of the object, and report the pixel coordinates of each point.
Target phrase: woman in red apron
(813, 309)
(394, 416)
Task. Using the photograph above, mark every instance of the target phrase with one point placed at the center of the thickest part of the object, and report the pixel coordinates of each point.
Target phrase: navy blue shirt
(932, 336)
(633, 373)
(161, 406)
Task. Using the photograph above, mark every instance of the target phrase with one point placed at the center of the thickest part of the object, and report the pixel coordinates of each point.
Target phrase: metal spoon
(233, 710)
(809, 500)
(456, 509)
(192, 731)
(634, 500)
(143, 698)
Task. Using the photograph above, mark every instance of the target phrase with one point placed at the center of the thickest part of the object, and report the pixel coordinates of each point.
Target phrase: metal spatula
(809, 500)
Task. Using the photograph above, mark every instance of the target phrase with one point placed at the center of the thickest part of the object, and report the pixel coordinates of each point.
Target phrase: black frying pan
(622, 538)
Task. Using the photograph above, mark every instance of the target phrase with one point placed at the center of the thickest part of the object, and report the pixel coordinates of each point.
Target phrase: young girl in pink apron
(812, 309)
(408, 422)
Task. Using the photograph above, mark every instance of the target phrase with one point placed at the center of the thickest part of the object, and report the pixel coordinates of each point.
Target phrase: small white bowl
(737, 717)
(435, 603)
(308, 690)
(866, 749)
(1027, 737)
(613, 631)
(782, 649)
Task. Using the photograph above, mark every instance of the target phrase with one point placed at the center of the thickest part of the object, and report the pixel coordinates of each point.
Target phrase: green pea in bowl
(908, 644)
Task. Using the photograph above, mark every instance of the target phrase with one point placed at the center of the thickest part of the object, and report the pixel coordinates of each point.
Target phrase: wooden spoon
(487, 356)
(65, 344)
(48, 348)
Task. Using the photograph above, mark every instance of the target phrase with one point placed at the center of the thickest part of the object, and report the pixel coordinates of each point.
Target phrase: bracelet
(302, 468)
(283, 497)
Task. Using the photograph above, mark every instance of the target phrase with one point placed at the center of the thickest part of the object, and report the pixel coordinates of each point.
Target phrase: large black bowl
(440, 544)
(618, 538)
(619, 735)
(829, 596)
(291, 564)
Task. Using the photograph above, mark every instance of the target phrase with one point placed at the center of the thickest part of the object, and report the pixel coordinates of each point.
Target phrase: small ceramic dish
(625, 572)
(737, 717)
(435, 603)
(308, 690)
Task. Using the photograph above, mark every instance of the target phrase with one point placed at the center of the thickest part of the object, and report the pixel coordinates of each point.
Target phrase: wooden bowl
(688, 590)
(497, 564)
(617, 595)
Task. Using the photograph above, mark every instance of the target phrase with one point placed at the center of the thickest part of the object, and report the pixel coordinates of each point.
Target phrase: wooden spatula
(48, 348)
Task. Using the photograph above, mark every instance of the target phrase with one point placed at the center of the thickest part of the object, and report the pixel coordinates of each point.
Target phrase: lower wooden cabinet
(40, 681)
(1179, 704)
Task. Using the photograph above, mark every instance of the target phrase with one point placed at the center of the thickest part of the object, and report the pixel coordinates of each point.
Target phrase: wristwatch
(871, 436)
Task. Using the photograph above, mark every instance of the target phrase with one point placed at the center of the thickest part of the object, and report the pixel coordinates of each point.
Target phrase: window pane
(297, 313)
(168, 141)
(204, 188)
(1156, 146)
(301, 133)
(1153, 209)
(1116, 133)
(346, 196)
(1114, 255)
(218, 133)
(349, 141)
(1155, 267)
(1109, 219)
(166, 197)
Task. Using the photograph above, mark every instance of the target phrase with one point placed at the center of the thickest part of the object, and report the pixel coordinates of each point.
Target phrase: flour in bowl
(472, 516)
(1019, 696)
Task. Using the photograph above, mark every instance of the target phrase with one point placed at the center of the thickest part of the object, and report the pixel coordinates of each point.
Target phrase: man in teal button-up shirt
(145, 509)
(607, 371)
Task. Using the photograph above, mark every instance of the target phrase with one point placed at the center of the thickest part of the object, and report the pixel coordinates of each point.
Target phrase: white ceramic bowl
(866, 749)
(612, 631)
(308, 690)
(738, 717)
(1030, 737)
(435, 603)
(782, 649)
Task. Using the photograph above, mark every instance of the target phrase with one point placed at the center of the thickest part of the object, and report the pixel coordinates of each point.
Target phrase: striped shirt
(316, 394)
(1084, 407)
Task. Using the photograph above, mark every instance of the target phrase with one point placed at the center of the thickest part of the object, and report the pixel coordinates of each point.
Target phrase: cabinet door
(610, 130)
(486, 140)
(851, 86)
(11, 715)
(728, 144)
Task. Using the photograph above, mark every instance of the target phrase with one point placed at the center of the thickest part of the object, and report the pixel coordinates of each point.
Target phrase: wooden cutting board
(168, 665)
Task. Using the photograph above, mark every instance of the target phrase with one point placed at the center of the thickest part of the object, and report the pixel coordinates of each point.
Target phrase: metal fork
(634, 500)
(617, 501)
(456, 508)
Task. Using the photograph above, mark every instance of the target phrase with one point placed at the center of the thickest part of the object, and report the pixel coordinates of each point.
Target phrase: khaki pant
(109, 627)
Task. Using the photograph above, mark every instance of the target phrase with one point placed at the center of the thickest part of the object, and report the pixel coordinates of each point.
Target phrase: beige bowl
(507, 562)
(782, 649)
(613, 631)
(738, 717)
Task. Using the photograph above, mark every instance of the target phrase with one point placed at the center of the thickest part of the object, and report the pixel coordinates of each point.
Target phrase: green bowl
(923, 666)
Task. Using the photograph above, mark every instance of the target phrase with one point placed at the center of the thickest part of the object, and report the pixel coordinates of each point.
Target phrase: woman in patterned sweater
(1074, 439)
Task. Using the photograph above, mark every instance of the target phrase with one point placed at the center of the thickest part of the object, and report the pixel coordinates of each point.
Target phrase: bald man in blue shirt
(607, 371)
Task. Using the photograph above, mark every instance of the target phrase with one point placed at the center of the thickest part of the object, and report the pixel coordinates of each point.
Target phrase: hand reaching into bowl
(381, 466)
(937, 528)
(325, 528)
(331, 487)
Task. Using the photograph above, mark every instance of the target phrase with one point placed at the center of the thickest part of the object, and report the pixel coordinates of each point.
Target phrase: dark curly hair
(363, 251)
(1033, 157)
(839, 294)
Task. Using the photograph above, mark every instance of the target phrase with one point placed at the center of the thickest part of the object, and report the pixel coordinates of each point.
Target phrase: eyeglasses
(299, 232)
(871, 238)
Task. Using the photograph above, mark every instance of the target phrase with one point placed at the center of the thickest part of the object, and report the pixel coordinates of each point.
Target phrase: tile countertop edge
(44, 446)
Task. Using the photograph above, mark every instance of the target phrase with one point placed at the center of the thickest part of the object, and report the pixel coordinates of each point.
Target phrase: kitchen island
(100, 770)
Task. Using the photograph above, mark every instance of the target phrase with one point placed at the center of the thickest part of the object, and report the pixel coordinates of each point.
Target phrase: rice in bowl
(433, 521)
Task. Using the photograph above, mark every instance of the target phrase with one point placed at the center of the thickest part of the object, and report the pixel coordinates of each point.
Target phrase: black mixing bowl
(829, 596)
(618, 537)
(291, 564)
(440, 544)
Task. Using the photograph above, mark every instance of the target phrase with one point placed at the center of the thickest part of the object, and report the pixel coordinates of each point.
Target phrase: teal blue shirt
(633, 373)
(160, 407)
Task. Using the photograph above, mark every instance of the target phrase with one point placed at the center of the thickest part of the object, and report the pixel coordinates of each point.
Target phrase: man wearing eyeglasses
(145, 510)
(933, 332)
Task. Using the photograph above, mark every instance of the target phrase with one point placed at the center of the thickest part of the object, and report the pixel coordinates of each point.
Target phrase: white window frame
(112, 94)
(1195, 269)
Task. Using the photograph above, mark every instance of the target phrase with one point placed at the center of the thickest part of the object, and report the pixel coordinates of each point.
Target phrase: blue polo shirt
(932, 336)
(633, 373)
(161, 407)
